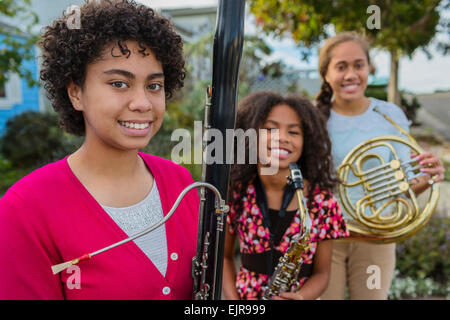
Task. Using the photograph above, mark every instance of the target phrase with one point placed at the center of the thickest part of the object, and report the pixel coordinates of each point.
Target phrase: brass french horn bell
(388, 209)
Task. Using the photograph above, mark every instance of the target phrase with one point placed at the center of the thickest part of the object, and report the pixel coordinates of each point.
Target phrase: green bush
(9, 175)
(447, 170)
(424, 260)
(427, 252)
(33, 139)
(408, 287)
(376, 92)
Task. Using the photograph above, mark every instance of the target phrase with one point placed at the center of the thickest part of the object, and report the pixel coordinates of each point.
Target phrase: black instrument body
(227, 51)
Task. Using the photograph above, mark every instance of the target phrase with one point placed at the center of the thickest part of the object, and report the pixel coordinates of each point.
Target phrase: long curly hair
(67, 51)
(315, 162)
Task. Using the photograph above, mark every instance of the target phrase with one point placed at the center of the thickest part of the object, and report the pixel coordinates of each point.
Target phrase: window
(2, 87)
(2, 91)
(11, 92)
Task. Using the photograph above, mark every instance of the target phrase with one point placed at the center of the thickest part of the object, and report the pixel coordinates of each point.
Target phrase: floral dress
(245, 217)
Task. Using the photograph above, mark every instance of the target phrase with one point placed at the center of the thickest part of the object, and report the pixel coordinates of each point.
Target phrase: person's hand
(289, 296)
(431, 165)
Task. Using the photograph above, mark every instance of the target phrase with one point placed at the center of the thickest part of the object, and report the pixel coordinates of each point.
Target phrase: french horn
(388, 209)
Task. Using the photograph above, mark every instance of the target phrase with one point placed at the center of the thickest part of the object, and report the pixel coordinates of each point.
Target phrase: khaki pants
(366, 268)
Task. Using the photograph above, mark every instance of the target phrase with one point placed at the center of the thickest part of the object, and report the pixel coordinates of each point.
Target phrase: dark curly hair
(66, 52)
(315, 162)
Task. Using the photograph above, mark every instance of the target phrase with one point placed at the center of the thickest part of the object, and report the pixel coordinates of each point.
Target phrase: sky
(416, 75)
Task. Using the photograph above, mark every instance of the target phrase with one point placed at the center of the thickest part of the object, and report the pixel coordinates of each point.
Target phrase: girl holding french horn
(354, 119)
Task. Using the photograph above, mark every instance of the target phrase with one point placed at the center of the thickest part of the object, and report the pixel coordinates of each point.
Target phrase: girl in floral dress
(263, 213)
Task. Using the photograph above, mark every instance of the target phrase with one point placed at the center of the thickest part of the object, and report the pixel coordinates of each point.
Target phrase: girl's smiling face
(348, 71)
(290, 139)
(122, 98)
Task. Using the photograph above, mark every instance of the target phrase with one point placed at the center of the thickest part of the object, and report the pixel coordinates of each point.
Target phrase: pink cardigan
(48, 218)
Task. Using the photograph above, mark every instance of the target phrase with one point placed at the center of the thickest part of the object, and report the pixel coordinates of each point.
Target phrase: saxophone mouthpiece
(296, 176)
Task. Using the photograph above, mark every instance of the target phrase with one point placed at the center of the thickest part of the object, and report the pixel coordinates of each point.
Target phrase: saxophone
(285, 276)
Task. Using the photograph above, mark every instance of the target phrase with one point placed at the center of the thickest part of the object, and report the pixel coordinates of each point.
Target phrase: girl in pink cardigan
(108, 80)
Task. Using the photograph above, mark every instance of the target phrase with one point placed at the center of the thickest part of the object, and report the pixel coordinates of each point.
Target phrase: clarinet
(220, 114)
(285, 276)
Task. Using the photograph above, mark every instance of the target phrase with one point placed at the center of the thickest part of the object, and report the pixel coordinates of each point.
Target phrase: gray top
(137, 218)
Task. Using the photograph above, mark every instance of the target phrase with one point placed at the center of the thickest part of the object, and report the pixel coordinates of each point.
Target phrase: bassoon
(220, 114)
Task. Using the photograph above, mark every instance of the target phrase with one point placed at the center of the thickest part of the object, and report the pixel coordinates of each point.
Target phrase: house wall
(19, 97)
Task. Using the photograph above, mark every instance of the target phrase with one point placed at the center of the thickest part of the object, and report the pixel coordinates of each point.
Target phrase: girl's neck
(115, 178)
(274, 186)
(274, 182)
(351, 107)
(106, 162)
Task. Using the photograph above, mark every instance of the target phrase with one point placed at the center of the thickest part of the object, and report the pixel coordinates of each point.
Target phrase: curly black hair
(67, 51)
(315, 163)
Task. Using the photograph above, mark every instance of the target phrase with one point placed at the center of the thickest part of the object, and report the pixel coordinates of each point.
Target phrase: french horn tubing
(221, 208)
(388, 210)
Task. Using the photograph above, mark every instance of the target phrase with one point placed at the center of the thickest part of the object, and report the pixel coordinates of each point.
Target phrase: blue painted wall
(30, 97)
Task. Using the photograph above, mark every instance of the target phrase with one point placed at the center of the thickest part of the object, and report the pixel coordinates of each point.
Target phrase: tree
(404, 26)
(255, 51)
(16, 44)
